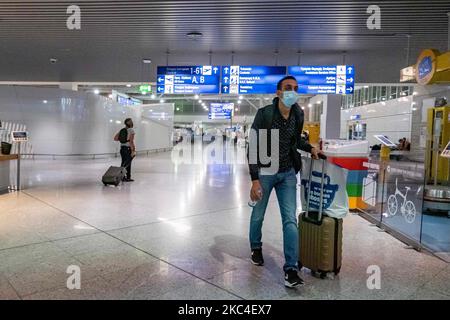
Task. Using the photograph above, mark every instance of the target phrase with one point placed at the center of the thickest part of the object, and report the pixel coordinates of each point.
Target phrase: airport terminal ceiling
(116, 35)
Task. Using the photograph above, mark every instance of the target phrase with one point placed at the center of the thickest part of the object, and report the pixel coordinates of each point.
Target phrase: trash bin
(6, 148)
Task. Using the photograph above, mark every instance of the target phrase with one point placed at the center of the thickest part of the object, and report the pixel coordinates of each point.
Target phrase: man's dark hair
(280, 83)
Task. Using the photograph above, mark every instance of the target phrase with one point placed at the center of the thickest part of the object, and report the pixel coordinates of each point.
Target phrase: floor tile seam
(50, 240)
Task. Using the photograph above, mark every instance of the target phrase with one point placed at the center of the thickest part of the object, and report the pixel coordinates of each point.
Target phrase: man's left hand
(315, 153)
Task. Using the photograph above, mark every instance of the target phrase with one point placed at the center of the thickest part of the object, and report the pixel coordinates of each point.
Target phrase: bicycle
(408, 209)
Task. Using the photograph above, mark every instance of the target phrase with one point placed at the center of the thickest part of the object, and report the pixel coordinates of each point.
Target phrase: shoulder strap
(297, 113)
(268, 117)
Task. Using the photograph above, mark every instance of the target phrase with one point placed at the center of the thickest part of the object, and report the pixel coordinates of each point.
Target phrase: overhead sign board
(188, 80)
(222, 111)
(324, 79)
(19, 136)
(145, 88)
(251, 79)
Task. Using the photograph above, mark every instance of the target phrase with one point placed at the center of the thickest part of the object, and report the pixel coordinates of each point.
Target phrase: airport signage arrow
(189, 79)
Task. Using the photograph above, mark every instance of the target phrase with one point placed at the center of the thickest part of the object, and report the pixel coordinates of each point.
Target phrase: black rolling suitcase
(114, 175)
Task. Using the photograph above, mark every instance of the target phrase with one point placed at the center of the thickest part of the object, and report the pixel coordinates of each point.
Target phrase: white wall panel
(80, 123)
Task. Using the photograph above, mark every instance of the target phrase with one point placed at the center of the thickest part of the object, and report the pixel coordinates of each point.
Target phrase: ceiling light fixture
(146, 60)
(161, 101)
(197, 97)
(96, 91)
(45, 101)
(153, 96)
(129, 85)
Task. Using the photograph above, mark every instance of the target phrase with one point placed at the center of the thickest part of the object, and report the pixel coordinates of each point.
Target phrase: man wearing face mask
(284, 115)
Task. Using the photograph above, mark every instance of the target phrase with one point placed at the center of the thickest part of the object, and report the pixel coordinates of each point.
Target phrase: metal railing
(92, 155)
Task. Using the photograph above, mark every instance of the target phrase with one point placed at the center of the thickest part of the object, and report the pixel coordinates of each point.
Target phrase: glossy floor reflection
(177, 232)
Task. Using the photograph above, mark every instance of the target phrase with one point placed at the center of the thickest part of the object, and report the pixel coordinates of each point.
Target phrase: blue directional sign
(324, 79)
(222, 111)
(188, 80)
(251, 79)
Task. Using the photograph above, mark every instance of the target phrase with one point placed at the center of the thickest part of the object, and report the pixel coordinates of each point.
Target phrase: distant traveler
(127, 147)
(285, 115)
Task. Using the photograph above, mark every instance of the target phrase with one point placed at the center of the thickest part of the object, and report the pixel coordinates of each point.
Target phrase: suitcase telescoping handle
(323, 158)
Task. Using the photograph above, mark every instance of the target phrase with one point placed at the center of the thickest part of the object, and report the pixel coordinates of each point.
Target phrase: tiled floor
(177, 232)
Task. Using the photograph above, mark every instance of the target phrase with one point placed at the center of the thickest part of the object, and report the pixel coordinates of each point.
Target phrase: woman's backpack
(123, 135)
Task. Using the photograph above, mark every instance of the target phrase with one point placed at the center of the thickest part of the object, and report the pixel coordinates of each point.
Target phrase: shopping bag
(335, 198)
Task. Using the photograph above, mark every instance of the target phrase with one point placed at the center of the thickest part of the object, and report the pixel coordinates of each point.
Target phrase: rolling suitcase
(114, 175)
(320, 237)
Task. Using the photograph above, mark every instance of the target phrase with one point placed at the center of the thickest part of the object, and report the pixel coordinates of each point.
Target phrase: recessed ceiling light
(241, 97)
(194, 35)
(310, 105)
(128, 85)
(96, 91)
(45, 101)
(178, 109)
(153, 96)
(161, 101)
(239, 102)
(146, 60)
(110, 96)
(199, 101)
(196, 96)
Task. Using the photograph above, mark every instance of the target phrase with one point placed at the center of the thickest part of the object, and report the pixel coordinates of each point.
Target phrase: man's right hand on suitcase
(256, 191)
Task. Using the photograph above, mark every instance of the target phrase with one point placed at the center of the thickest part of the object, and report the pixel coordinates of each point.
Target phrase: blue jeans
(285, 184)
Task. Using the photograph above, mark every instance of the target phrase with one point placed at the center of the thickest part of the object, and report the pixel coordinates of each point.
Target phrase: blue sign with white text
(251, 79)
(188, 80)
(324, 79)
(222, 111)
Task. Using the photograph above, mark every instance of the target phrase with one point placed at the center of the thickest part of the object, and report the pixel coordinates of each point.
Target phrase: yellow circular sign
(426, 66)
